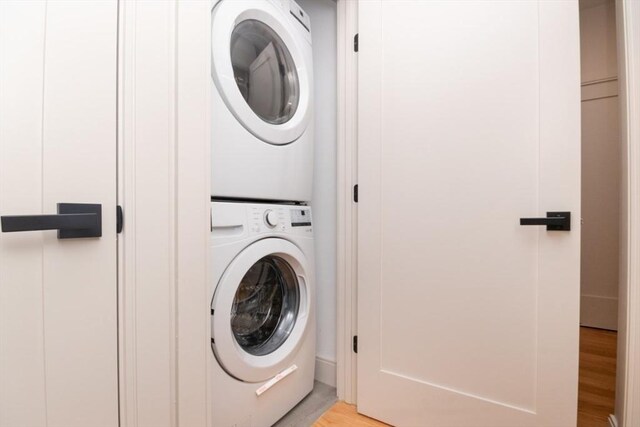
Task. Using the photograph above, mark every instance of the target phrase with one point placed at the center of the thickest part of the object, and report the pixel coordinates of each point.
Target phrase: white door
(58, 297)
(469, 119)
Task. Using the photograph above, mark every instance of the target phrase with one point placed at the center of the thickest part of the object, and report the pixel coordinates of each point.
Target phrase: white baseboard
(613, 422)
(326, 371)
(599, 312)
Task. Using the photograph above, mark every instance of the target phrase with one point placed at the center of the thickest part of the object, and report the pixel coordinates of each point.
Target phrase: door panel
(468, 121)
(22, 381)
(58, 144)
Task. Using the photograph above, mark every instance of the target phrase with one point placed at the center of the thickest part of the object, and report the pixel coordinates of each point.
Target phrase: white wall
(600, 165)
(323, 27)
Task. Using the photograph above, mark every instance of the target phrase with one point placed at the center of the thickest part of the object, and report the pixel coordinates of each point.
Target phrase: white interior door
(469, 119)
(58, 306)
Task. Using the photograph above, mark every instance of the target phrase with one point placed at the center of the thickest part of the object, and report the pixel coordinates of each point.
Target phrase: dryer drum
(265, 306)
(264, 71)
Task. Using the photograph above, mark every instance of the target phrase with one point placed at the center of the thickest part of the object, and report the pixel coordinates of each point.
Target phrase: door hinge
(355, 193)
(355, 343)
(355, 43)
(119, 219)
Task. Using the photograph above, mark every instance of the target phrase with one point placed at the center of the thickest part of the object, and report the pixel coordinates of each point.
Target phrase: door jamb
(346, 256)
(164, 186)
(627, 409)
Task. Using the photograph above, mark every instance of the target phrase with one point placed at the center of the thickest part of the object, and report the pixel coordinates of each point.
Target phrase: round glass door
(264, 71)
(265, 306)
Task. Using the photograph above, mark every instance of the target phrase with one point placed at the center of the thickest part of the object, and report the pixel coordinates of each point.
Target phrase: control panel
(279, 218)
(240, 220)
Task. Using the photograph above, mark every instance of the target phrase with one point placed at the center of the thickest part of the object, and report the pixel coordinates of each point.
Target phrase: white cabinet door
(58, 297)
(469, 119)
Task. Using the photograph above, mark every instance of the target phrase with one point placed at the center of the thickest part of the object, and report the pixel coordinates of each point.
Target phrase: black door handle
(74, 220)
(555, 221)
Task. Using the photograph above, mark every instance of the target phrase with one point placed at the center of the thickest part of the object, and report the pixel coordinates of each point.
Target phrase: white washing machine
(262, 101)
(262, 312)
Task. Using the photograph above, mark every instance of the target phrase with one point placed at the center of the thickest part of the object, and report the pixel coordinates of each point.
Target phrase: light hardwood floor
(343, 414)
(596, 395)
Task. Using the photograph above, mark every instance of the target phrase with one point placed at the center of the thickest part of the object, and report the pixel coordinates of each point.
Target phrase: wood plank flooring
(343, 414)
(596, 395)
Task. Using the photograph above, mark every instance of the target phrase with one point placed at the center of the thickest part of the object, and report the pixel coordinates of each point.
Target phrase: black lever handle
(74, 220)
(555, 221)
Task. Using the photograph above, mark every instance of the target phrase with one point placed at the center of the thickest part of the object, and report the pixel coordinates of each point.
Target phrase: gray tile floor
(321, 398)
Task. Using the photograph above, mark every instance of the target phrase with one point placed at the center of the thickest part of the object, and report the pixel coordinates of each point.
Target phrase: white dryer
(262, 101)
(262, 312)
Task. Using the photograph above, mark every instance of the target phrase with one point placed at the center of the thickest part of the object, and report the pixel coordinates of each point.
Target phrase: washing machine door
(260, 310)
(261, 70)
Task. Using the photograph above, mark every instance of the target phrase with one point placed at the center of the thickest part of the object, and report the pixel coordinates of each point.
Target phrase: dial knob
(271, 218)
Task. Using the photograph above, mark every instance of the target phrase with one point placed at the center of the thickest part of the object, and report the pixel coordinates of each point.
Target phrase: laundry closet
(273, 202)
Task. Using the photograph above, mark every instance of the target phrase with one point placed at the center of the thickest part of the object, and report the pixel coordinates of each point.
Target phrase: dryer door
(260, 310)
(261, 69)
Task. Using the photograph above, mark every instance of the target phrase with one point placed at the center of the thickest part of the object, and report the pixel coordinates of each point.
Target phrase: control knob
(271, 218)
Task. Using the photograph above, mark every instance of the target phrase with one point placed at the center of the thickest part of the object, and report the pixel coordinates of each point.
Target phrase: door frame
(628, 388)
(347, 214)
(163, 173)
(628, 366)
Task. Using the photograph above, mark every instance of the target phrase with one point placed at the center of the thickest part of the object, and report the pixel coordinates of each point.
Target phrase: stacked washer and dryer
(263, 299)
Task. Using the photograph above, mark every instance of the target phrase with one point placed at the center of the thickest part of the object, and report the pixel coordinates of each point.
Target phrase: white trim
(613, 422)
(599, 81)
(628, 381)
(192, 204)
(147, 192)
(600, 90)
(163, 183)
(346, 210)
(325, 371)
(127, 319)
